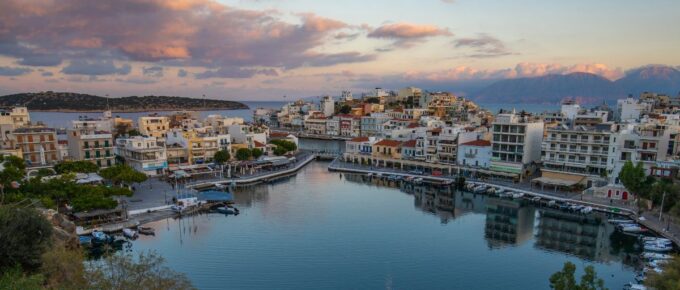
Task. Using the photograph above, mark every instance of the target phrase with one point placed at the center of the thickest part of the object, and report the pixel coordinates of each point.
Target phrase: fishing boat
(146, 231)
(130, 233)
(418, 180)
(227, 210)
(177, 208)
(634, 286)
(587, 210)
(656, 256)
(647, 239)
(630, 228)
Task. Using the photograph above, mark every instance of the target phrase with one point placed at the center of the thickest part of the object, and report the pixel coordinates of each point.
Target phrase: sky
(268, 49)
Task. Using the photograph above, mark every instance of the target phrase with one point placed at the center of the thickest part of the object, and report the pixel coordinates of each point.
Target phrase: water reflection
(515, 222)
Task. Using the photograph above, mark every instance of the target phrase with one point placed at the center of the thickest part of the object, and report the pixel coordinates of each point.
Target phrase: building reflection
(508, 223)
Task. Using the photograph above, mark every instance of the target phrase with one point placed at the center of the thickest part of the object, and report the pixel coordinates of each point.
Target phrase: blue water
(63, 120)
(323, 230)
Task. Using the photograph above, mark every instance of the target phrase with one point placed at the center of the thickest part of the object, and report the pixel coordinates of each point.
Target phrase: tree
(633, 177)
(76, 166)
(278, 151)
(122, 174)
(63, 269)
(669, 279)
(124, 272)
(222, 157)
(243, 154)
(15, 279)
(345, 109)
(134, 132)
(565, 279)
(24, 235)
(256, 152)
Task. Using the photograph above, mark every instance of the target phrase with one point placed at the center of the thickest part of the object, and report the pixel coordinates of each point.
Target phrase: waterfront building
(145, 154)
(201, 147)
(86, 143)
(390, 149)
(476, 153)
(62, 150)
(333, 126)
(105, 123)
(38, 145)
(648, 143)
(575, 155)
(248, 134)
(516, 143)
(374, 125)
(316, 124)
(350, 125)
(17, 117)
(154, 126)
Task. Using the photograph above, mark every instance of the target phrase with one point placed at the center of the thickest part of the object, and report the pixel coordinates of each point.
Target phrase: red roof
(410, 143)
(278, 134)
(480, 143)
(413, 125)
(388, 143)
(258, 143)
(359, 139)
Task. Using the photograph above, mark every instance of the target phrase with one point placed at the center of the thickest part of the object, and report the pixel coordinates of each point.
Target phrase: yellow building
(387, 149)
(154, 126)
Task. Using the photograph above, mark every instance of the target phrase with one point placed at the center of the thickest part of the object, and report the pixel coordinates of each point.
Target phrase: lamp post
(663, 197)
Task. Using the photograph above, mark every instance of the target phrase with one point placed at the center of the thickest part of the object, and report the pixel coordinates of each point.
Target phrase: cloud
(234, 73)
(137, 81)
(200, 33)
(345, 57)
(14, 71)
(484, 46)
(407, 34)
(95, 68)
(182, 73)
(47, 74)
(154, 71)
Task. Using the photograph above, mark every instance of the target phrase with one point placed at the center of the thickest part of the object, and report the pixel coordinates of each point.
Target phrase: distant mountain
(587, 87)
(550, 89)
(653, 78)
(74, 102)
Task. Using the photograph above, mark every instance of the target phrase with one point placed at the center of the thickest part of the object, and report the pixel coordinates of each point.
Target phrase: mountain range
(586, 87)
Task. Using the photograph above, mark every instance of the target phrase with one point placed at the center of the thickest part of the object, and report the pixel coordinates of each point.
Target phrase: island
(74, 102)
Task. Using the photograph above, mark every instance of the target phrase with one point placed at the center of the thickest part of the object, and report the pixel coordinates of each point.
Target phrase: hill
(587, 87)
(74, 102)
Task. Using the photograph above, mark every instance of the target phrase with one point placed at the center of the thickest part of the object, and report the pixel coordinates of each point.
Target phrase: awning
(554, 181)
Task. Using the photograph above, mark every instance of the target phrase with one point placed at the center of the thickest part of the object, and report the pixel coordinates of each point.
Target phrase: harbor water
(329, 230)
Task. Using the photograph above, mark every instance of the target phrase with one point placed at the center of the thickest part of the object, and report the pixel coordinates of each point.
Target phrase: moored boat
(85, 240)
(657, 247)
(149, 231)
(130, 233)
(656, 256)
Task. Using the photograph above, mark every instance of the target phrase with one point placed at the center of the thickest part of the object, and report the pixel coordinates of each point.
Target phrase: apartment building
(154, 126)
(37, 144)
(350, 125)
(575, 155)
(374, 125)
(91, 145)
(476, 153)
(315, 125)
(143, 153)
(516, 143)
(648, 143)
(333, 126)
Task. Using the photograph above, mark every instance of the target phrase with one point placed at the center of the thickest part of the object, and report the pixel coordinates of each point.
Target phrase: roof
(389, 143)
(413, 125)
(63, 142)
(409, 143)
(359, 139)
(259, 144)
(279, 134)
(435, 130)
(480, 143)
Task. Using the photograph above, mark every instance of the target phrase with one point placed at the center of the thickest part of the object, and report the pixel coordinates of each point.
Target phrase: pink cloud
(406, 34)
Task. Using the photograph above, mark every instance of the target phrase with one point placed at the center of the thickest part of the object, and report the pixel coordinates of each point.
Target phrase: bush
(256, 152)
(222, 157)
(243, 154)
(76, 166)
(24, 235)
(124, 272)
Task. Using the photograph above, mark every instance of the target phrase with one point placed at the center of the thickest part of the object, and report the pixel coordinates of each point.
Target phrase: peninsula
(75, 102)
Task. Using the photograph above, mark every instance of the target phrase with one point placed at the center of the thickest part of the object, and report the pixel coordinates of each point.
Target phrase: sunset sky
(265, 49)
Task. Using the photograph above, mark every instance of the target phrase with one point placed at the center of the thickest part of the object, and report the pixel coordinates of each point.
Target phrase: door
(625, 195)
(609, 193)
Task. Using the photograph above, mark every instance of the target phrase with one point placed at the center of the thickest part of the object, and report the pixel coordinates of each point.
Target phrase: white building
(630, 109)
(144, 154)
(327, 106)
(476, 153)
(647, 143)
(516, 143)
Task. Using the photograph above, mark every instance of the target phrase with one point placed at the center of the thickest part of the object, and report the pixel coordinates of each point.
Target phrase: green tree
(24, 235)
(256, 152)
(222, 157)
(345, 109)
(565, 279)
(148, 271)
(669, 279)
(16, 279)
(633, 177)
(243, 154)
(76, 166)
(278, 151)
(122, 174)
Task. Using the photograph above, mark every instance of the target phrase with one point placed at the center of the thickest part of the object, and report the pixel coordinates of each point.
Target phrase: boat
(518, 195)
(369, 174)
(146, 231)
(552, 203)
(378, 175)
(646, 239)
(227, 210)
(620, 221)
(392, 177)
(640, 277)
(536, 199)
(130, 233)
(418, 180)
(657, 263)
(85, 240)
(656, 270)
(657, 247)
(656, 256)
(634, 286)
(587, 210)
(99, 238)
(177, 208)
(220, 186)
(630, 228)
(479, 189)
(491, 190)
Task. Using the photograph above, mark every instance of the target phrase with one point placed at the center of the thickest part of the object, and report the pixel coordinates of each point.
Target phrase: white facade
(476, 153)
(327, 106)
(630, 109)
(516, 143)
(144, 154)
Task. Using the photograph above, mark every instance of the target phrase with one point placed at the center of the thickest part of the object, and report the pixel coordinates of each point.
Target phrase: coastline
(140, 110)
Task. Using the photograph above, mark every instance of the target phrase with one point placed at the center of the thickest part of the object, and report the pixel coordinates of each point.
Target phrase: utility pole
(663, 197)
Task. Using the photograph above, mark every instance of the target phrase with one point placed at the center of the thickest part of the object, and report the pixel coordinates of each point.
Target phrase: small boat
(418, 180)
(146, 231)
(177, 208)
(640, 277)
(220, 186)
(634, 286)
(657, 263)
(657, 247)
(517, 195)
(620, 221)
(369, 174)
(656, 270)
(587, 210)
(630, 228)
(491, 190)
(479, 189)
(227, 210)
(378, 175)
(552, 203)
(85, 240)
(99, 238)
(646, 239)
(130, 233)
(656, 256)
(392, 177)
